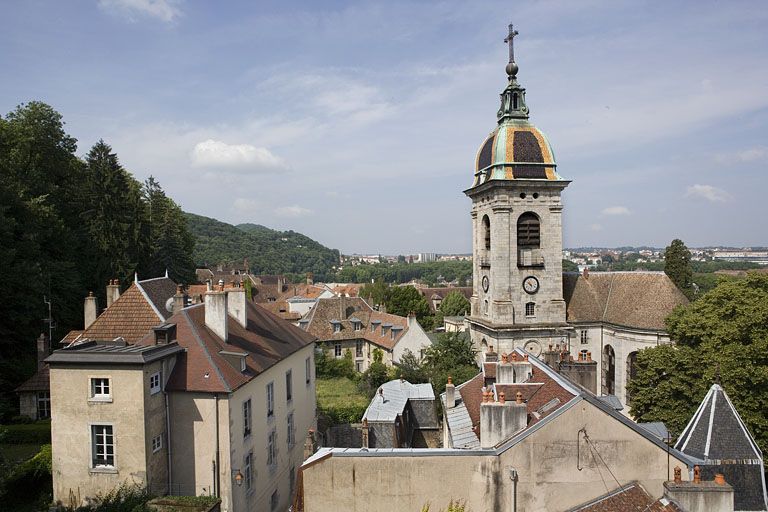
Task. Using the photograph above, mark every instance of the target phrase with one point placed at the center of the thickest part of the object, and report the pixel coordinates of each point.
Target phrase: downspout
(168, 431)
(217, 481)
(513, 477)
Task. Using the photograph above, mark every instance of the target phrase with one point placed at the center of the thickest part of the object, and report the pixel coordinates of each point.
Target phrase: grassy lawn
(340, 400)
(18, 452)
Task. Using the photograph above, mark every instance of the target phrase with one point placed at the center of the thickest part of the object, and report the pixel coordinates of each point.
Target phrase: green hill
(268, 251)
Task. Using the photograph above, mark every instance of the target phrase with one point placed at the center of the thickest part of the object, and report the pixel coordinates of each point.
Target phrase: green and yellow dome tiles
(516, 149)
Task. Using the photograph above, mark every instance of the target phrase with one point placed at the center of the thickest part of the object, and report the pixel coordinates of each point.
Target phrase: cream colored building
(228, 407)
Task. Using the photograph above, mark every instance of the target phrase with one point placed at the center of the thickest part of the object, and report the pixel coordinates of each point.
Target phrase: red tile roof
(629, 497)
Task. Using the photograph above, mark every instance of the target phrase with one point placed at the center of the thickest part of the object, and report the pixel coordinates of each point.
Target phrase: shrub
(27, 433)
(28, 485)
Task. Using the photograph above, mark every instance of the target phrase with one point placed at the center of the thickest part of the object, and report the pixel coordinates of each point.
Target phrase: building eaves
(104, 354)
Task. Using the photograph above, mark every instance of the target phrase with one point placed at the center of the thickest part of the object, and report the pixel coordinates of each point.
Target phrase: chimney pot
(504, 358)
(518, 397)
(696, 474)
(525, 357)
(589, 356)
(450, 380)
(502, 399)
(678, 475)
(720, 479)
(514, 356)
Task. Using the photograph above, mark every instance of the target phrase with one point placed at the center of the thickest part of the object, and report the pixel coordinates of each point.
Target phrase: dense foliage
(68, 226)
(677, 265)
(267, 251)
(451, 354)
(27, 486)
(721, 336)
(455, 303)
(430, 273)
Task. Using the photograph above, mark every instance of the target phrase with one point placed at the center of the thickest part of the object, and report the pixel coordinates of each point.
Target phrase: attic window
(336, 328)
(164, 333)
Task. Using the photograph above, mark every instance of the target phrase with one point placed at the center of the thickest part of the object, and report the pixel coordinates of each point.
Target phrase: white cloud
(292, 211)
(217, 154)
(753, 154)
(708, 192)
(616, 210)
(164, 10)
(596, 227)
(245, 206)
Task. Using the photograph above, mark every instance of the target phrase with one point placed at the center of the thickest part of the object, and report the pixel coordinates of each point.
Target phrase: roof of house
(631, 299)
(387, 330)
(347, 290)
(717, 435)
(628, 497)
(267, 340)
(392, 397)
(440, 293)
(141, 307)
(109, 352)
(40, 381)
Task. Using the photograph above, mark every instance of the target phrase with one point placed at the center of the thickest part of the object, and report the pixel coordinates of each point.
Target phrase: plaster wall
(73, 415)
(414, 339)
(547, 461)
(28, 404)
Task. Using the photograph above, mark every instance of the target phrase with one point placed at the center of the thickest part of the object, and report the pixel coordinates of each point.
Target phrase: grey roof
(717, 435)
(657, 428)
(158, 290)
(391, 398)
(92, 352)
(460, 422)
(613, 401)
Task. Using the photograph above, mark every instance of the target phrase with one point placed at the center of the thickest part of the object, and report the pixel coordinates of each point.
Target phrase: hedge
(26, 433)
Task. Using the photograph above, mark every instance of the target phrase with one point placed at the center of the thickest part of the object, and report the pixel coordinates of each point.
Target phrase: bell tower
(517, 242)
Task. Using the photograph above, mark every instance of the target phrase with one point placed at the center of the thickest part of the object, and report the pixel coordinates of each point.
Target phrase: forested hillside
(268, 251)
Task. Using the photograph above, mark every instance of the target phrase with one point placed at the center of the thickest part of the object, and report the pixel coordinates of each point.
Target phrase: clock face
(531, 284)
(533, 346)
(485, 283)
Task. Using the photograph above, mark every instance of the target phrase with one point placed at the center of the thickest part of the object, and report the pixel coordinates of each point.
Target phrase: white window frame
(272, 449)
(289, 386)
(247, 418)
(157, 443)
(97, 388)
(248, 471)
(44, 403)
(336, 328)
(154, 383)
(99, 433)
(271, 400)
(337, 350)
(291, 430)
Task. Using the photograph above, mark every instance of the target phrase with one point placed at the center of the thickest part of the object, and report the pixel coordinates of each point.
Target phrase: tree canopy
(677, 265)
(455, 303)
(451, 354)
(723, 336)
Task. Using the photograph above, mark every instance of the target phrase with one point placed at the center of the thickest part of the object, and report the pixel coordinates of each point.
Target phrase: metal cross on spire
(510, 39)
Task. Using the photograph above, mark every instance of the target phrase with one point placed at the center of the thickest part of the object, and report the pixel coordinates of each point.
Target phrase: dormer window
(336, 326)
(374, 324)
(356, 324)
(164, 333)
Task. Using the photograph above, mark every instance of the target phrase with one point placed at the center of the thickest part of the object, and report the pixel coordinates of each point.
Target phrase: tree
(723, 336)
(451, 353)
(375, 293)
(404, 300)
(410, 368)
(677, 265)
(569, 266)
(455, 303)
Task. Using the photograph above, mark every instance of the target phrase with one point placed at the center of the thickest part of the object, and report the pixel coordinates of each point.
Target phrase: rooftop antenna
(510, 40)
(49, 320)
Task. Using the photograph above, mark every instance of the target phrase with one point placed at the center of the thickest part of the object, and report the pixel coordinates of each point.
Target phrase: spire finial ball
(512, 69)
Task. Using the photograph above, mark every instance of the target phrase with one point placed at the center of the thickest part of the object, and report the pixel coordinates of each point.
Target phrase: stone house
(402, 415)
(349, 323)
(222, 392)
(34, 394)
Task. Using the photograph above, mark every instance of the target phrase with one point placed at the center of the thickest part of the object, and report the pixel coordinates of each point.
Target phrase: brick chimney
(237, 306)
(500, 420)
(90, 310)
(178, 299)
(216, 313)
(490, 355)
(450, 394)
(700, 495)
(43, 350)
(113, 291)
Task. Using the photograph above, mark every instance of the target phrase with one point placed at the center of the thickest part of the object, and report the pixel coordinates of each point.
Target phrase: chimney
(490, 355)
(237, 306)
(208, 285)
(113, 291)
(500, 420)
(310, 278)
(280, 283)
(513, 369)
(450, 394)
(582, 371)
(90, 310)
(700, 496)
(178, 299)
(678, 475)
(42, 350)
(586, 273)
(365, 433)
(216, 313)
(309, 444)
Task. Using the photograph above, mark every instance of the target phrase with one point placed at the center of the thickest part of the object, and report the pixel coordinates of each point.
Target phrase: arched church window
(528, 231)
(487, 231)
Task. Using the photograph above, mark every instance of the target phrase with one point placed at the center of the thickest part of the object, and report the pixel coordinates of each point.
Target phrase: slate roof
(442, 292)
(343, 309)
(626, 498)
(631, 299)
(392, 397)
(140, 308)
(40, 381)
(717, 435)
(267, 340)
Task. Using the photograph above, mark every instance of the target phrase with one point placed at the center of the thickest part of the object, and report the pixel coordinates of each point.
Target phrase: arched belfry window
(487, 231)
(528, 231)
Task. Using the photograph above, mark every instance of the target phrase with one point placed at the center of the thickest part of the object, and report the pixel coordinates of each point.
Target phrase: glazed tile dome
(515, 150)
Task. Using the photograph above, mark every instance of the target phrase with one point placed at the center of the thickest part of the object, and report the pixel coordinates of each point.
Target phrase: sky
(357, 123)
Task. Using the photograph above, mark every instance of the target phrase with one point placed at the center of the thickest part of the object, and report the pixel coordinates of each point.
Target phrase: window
(100, 389)
(288, 385)
(43, 405)
(528, 231)
(336, 327)
(584, 337)
(270, 400)
(157, 443)
(487, 231)
(530, 309)
(359, 366)
(357, 325)
(307, 371)
(274, 501)
(248, 471)
(291, 437)
(154, 383)
(102, 446)
(272, 449)
(359, 348)
(337, 349)
(247, 418)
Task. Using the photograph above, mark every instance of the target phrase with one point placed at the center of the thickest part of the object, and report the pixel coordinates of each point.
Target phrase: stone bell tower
(517, 241)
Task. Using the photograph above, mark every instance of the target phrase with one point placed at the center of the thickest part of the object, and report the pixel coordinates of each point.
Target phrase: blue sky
(358, 123)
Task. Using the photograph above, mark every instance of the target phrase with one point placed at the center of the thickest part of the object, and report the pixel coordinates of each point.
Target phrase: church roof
(717, 436)
(631, 299)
